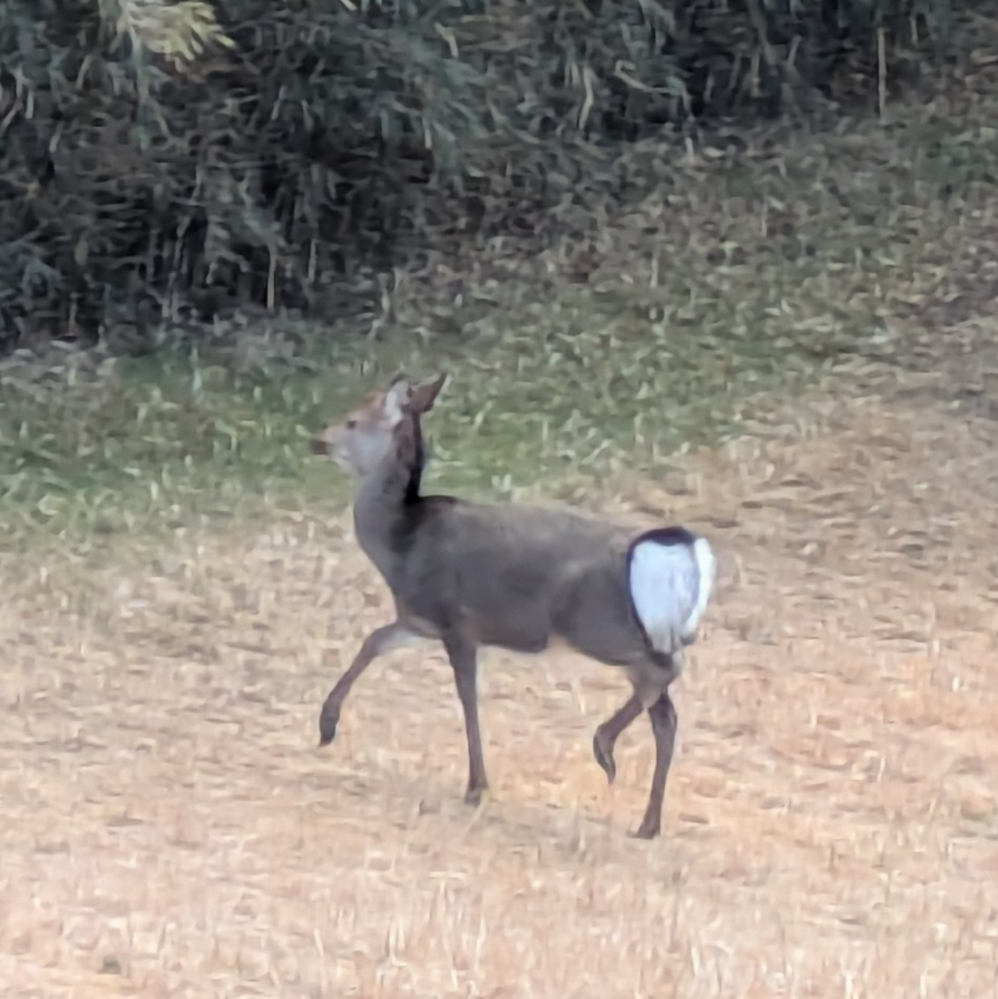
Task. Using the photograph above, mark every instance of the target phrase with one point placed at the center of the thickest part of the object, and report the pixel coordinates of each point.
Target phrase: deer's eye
(351, 424)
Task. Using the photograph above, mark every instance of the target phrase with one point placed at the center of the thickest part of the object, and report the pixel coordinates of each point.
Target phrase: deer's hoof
(328, 721)
(647, 830)
(474, 795)
(604, 757)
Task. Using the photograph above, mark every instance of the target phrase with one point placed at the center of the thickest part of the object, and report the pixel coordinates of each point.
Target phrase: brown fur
(513, 576)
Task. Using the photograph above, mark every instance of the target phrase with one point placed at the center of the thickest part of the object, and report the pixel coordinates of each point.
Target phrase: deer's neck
(386, 496)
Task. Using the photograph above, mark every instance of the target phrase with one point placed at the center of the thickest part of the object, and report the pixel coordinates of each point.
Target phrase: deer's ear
(397, 399)
(424, 395)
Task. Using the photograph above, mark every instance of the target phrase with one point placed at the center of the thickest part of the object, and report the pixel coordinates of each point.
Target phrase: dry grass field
(831, 828)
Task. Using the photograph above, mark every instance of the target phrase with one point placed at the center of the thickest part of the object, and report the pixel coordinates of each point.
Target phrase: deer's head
(372, 431)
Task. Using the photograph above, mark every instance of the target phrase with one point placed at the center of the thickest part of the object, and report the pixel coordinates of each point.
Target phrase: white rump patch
(671, 585)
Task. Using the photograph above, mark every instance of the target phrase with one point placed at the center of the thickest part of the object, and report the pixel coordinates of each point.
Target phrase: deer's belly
(525, 629)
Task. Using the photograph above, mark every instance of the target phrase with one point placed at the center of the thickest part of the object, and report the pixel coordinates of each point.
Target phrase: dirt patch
(831, 825)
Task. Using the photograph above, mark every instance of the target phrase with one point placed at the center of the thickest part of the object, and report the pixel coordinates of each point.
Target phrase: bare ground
(831, 826)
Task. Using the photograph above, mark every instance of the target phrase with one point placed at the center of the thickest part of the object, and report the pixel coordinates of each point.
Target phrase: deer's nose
(319, 446)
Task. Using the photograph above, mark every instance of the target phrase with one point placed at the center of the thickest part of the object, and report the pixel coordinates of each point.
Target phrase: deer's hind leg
(649, 680)
(651, 693)
(607, 734)
(663, 724)
(662, 670)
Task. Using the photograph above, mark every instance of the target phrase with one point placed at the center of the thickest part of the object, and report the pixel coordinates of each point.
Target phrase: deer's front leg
(381, 640)
(463, 656)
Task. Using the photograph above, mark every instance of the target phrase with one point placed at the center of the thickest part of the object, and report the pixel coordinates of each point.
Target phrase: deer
(470, 575)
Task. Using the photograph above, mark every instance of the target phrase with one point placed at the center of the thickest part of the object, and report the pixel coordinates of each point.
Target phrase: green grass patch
(171, 440)
(746, 277)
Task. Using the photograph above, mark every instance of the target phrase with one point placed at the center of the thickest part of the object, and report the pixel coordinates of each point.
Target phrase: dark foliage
(325, 144)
